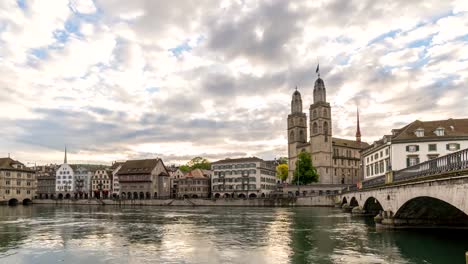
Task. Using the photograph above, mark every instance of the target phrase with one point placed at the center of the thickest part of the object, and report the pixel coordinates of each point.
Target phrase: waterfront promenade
(319, 201)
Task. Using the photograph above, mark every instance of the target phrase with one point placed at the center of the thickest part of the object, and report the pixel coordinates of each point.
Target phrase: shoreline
(313, 201)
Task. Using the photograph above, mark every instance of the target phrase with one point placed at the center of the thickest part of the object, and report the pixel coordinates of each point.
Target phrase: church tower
(321, 134)
(297, 131)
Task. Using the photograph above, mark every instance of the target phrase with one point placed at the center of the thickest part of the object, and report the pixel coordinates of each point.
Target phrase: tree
(282, 172)
(305, 172)
(282, 160)
(199, 163)
(184, 168)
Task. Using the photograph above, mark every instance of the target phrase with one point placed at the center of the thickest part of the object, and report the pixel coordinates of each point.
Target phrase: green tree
(305, 172)
(184, 168)
(199, 163)
(282, 172)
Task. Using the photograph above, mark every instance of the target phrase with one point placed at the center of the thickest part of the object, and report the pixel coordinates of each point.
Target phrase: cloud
(176, 79)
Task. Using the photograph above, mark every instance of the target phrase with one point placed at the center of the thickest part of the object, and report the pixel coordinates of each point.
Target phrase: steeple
(296, 102)
(65, 159)
(320, 93)
(358, 129)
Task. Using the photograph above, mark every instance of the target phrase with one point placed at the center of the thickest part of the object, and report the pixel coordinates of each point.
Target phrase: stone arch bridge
(415, 197)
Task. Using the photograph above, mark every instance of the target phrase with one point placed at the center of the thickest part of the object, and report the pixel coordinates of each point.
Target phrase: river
(109, 234)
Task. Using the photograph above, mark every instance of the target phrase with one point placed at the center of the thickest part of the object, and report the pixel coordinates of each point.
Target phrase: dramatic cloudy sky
(114, 79)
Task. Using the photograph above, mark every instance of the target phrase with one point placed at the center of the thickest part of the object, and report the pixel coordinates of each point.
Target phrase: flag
(317, 70)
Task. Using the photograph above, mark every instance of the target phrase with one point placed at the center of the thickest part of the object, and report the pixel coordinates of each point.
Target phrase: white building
(65, 182)
(417, 142)
(243, 177)
(115, 179)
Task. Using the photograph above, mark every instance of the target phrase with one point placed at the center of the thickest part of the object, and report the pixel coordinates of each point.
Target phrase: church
(337, 160)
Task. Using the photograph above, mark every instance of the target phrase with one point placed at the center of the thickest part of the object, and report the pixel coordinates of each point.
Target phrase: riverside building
(144, 179)
(243, 177)
(194, 184)
(17, 182)
(414, 143)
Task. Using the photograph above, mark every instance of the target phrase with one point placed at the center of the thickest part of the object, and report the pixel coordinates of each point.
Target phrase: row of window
(234, 166)
(197, 182)
(346, 172)
(64, 177)
(433, 147)
(377, 168)
(18, 191)
(378, 155)
(350, 162)
(18, 174)
(18, 183)
(224, 180)
(63, 182)
(194, 189)
(236, 172)
(96, 182)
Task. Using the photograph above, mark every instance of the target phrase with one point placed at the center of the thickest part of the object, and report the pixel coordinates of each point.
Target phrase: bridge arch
(13, 202)
(344, 201)
(372, 206)
(27, 201)
(432, 211)
(353, 202)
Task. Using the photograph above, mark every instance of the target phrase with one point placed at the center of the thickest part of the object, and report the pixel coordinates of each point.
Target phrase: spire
(65, 159)
(358, 130)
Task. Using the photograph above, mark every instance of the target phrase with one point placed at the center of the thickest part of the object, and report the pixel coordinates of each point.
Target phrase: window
(453, 146)
(7, 182)
(412, 148)
(315, 128)
(18, 191)
(376, 168)
(381, 153)
(386, 152)
(412, 160)
(432, 147)
(419, 132)
(439, 131)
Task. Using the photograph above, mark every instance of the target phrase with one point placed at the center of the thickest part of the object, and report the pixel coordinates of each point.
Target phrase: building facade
(243, 177)
(64, 180)
(45, 176)
(82, 182)
(101, 184)
(17, 182)
(414, 143)
(115, 179)
(144, 179)
(194, 184)
(332, 165)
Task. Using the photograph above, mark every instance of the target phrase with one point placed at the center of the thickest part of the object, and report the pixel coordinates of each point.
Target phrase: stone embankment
(325, 201)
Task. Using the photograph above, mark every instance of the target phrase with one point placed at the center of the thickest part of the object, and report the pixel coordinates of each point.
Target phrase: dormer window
(419, 132)
(439, 131)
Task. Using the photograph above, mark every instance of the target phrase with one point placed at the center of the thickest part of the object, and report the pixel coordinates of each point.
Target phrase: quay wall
(324, 201)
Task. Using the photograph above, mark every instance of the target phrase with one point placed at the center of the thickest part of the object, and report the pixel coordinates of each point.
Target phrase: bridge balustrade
(451, 162)
(448, 163)
(380, 180)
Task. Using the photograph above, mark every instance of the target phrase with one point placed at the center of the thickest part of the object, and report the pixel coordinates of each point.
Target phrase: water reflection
(79, 234)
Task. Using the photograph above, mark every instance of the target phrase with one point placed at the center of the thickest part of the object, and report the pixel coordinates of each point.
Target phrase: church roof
(452, 128)
(349, 143)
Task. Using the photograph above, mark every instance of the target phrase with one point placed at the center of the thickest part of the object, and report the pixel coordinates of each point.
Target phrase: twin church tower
(336, 160)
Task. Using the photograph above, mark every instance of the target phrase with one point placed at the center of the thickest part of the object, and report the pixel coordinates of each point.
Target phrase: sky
(116, 80)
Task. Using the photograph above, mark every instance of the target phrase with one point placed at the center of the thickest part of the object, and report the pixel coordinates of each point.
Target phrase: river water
(94, 234)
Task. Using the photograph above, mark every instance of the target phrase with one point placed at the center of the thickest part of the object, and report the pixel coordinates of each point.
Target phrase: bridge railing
(380, 180)
(451, 162)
